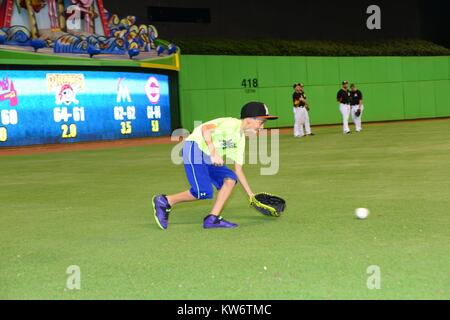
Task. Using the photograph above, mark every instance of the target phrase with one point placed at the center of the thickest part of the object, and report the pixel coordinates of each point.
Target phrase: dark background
(290, 19)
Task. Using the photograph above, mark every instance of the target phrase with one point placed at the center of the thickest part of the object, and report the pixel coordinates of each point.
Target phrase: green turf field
(92, 209)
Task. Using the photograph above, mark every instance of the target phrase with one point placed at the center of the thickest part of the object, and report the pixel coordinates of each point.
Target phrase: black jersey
(343, 96)
(296, 96)
(355, 97)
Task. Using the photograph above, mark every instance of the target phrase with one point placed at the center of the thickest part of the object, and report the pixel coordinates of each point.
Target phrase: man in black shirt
(357, 106)
(344, 105)
(300, 109)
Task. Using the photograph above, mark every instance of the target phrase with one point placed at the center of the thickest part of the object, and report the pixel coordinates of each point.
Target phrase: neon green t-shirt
(227, 138)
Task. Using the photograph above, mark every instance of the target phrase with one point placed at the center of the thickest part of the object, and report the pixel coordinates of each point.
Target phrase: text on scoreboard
(48, 106)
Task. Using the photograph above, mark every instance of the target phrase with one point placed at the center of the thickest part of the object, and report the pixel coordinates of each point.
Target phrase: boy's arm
(243, 180)
(206, 132)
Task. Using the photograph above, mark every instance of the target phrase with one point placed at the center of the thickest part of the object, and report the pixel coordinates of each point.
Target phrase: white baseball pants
(345, 111)
(357, 120)
(301, 118)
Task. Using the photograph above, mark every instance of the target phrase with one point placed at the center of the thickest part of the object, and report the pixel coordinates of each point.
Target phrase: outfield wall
(394, 88)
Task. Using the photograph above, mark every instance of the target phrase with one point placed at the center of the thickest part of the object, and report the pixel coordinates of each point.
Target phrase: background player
(344, 105)
(203, 153)
(356, 106)
(301, 108)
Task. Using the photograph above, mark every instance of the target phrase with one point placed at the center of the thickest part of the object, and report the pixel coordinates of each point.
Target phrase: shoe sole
(221, 227)
(154, 214)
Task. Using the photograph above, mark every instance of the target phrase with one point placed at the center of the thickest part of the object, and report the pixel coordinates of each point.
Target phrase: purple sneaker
(161, 210)
(212, 221)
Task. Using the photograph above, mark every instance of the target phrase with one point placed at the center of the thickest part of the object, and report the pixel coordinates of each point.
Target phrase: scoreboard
(64, 106)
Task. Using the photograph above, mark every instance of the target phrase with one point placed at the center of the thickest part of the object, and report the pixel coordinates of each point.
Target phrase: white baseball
(362, 213)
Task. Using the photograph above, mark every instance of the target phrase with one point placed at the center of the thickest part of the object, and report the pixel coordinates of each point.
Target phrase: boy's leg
(222, 196)
(162, 205)
(180, 197)
(224, 179)
(198, 177)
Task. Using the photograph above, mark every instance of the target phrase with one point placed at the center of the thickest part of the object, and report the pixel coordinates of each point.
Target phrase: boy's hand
(217, 160)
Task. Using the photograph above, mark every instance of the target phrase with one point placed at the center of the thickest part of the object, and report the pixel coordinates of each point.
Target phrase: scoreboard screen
(63, 106)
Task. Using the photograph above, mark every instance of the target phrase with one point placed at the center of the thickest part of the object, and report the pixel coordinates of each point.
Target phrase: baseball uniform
(301, 116)
(355, 102)
(344, 107)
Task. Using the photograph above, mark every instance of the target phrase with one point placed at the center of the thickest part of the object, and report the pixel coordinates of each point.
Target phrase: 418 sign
(249, 83)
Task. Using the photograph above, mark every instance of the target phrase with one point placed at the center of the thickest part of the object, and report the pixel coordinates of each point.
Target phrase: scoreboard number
(131, 112)
(125, 127)
(62, 114)
(9, 117)
(78, 114)
(120, 113)
(3, 134)
(155, 126)
(69, 131)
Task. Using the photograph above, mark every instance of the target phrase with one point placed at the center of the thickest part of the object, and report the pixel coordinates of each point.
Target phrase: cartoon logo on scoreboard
(152, 90)
(66, 95)
(65, 87)
(7, 92)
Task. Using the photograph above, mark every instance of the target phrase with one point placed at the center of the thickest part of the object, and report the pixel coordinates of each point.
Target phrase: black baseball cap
(256, 109)
(344, 82)
(298, 84)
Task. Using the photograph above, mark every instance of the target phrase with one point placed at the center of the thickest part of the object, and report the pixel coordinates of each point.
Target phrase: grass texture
(92, 209)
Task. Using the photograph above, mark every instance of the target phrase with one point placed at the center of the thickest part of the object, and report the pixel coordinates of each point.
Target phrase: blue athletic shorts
(201, 173)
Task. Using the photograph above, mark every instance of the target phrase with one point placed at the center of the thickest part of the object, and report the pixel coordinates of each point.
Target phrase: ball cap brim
(268, 117)
(256, 109)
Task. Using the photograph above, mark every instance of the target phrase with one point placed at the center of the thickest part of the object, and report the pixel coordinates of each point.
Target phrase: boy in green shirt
(203, 153)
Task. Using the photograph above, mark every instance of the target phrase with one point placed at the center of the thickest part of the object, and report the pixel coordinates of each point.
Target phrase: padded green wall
(394, 88)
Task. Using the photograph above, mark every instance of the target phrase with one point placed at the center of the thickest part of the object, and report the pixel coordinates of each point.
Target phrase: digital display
(51, 106)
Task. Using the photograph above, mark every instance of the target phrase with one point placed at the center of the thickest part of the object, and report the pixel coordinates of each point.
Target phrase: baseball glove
(296, 103)
(268, 204)
(358, 112)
